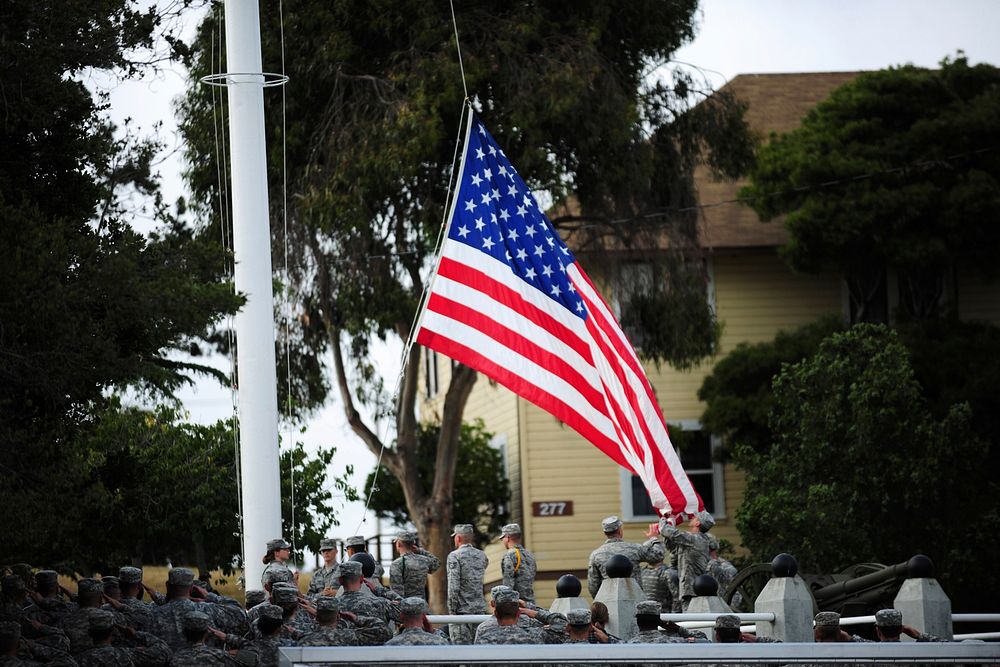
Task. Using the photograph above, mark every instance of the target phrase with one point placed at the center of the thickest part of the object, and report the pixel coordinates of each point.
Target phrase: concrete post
(562, 605)
(621, 595)
(788, 597)
(925, 607)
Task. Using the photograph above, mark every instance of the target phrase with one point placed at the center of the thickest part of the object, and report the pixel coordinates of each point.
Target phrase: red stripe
(502, 293)
(516, 341)
(523, 388)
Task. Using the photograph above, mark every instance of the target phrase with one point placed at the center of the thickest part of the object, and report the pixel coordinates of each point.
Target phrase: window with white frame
(699, 461)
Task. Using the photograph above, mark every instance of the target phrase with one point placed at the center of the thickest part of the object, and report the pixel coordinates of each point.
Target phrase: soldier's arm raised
(433, 562)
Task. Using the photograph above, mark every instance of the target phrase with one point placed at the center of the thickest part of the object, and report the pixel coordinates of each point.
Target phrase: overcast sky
(734, 37)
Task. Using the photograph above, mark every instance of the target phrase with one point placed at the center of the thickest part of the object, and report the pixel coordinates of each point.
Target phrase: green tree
(737, 394)
(898, 169)
(859, 470)
(372, 109)
(484, 500)
(88, 306)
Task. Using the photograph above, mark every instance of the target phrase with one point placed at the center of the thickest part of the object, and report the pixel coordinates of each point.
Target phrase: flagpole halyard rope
(458, 48)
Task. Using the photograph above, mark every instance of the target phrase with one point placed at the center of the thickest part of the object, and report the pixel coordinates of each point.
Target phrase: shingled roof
(777, 103)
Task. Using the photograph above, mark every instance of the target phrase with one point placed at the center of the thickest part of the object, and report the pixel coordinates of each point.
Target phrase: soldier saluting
(651, 551)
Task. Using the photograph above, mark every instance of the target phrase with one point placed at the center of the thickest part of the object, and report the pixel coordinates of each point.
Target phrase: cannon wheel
(749, 581)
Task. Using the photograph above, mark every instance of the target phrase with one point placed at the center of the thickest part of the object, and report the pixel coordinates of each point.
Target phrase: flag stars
(493, 218)
(502, 171)
(546, 270)
(493, 151)
(555, 290)
(486, 200)
(579, 306)
(496, 193)
(530, 231)
(476, 180)
(522, 254)
(487, 174)
(463, 231)
(470, 205)
(513, 235)
(488, 243)
(504, 215)
(521, 211)
(530, 274)
(512, 191)
(539, 251)
(482, 129)
(480, 224)
(480, 154)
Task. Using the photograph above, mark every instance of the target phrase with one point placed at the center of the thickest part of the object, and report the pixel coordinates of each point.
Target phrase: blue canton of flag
(497, 214)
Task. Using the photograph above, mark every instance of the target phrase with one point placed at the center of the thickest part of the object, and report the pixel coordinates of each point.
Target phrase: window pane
(702, 483)
(640, 499)
(697, 453)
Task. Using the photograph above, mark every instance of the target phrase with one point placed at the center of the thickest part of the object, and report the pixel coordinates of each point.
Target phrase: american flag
(509, 300)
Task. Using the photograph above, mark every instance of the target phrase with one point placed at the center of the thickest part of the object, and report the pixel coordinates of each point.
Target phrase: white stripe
(519, 365)
(515, 321)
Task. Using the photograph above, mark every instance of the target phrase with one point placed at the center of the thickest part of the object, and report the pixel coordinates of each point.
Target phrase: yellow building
(561, 485)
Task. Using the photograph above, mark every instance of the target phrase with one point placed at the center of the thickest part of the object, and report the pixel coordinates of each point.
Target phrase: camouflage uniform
(417, 637)
(651, 551)
(276, 571)
(365, 632)
(518, 569)
(408, 573)
(77, 628)
(656, 584)
(692, 551)
(323, 578)
(466, 567)
(138, 613)
(723, 572)
(362, 604)
(653, 637)
(168, 621)
(199, 655)
(505, 634)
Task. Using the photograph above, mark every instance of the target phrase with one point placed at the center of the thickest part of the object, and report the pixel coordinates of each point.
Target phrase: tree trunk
(439, 542)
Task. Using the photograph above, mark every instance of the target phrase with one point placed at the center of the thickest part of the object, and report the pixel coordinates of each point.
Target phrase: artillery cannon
(858, 590)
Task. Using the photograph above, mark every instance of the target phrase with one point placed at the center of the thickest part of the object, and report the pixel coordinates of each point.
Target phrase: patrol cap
(827, 618)
(650, 607)
(195, 621)
(43, 577)
(508, 595)
(499, 588)
(245, 656)
(271, 611)
(254, 597)
(355, 541)
(888, 618)
(277, 575)
(350, 568)
(327, 603)
(327, 543)
(130, 575)
(611, 524)
(110, 582)
(284, 594)
(101, 619)
(706, 519)
(731, 621)
(278, 543)
(13, 584)
(89, 585)
(462, 529)
(181, 576)
(10, 632)
(511, 529)
(407, 536)
(578, 616)
(413, 606)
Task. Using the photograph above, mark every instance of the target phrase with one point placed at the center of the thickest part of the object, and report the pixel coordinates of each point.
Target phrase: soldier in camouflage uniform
(416, 627)
(356, 544)
(47, 607)
(279, 553)
(727, 631)
(466, 568)
(195, 653)
(651, 551)
(168, 618)
(76, 624)
(518, 565)
(138, 613)
(408, 573)
(254, 597)
(692, 550)
(722, 571)
(150, 651)
(363, 630)
(889, 626)
(296, 622)
(647, 617)
(363, 603)
(656, 584)
(267, 639)
(544, 626)
(507, 630)
(325, 579)
(827, 628)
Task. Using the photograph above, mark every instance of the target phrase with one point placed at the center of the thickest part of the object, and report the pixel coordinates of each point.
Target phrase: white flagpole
(257, 380)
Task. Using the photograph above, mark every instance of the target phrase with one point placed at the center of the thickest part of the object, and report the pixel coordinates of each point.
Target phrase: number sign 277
(552, 508)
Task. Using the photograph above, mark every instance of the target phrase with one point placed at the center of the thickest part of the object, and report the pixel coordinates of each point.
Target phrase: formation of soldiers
(110, 621)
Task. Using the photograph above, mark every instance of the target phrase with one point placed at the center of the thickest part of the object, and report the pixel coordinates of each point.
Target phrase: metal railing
(666, 654)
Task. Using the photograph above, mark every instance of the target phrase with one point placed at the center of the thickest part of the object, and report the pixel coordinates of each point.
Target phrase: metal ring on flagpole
(225, 79)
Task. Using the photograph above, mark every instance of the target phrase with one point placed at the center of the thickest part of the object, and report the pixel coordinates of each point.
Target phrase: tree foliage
(738, 394)
(898, 169)
(859, 470)
(484, 500)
